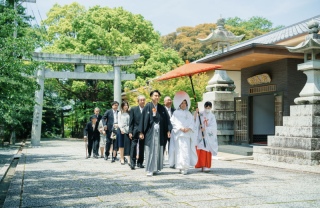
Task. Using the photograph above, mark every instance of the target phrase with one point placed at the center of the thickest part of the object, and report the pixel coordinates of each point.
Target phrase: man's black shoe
(140, 165)
(105, 157)
(113, 160)
(95, 156)
(132, 167)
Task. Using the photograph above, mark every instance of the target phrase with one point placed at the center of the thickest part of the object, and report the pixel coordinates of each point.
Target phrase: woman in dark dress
(124, 143)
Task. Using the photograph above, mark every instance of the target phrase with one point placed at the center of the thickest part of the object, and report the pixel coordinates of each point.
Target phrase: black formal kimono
(155, 129)
(93, 136)
(96, 144)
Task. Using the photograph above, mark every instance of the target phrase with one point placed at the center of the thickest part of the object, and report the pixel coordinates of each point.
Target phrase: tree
(170, 87)
(17, 86)
(185, 39)
(253, 27)
(108, 32)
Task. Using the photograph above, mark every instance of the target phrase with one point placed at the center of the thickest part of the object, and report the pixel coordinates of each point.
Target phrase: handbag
(113, 133)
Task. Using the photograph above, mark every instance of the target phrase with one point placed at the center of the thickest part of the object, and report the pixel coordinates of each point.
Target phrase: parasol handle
(195, 99)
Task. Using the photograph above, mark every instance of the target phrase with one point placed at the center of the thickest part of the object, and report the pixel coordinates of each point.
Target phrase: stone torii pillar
(79, 61)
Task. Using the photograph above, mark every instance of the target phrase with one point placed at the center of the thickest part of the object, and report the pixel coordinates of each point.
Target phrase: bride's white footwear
(149, 173)
(184, 172)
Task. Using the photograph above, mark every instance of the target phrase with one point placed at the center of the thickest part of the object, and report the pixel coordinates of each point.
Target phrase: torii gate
(79, 73)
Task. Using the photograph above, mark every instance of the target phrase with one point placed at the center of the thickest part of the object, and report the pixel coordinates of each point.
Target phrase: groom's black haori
(155, 129)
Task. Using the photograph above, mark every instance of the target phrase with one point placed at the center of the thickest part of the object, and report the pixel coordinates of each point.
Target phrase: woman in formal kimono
(182, 134)
(154, 128)
(209, 129)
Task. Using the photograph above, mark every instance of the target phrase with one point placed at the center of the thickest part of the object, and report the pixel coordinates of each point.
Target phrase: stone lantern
(220, 88)
(310, 93)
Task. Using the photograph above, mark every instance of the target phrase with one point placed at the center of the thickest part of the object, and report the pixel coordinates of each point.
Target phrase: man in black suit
(92, 135)
(110, 120)
(135, 117)
(96, 112)
(170, 109)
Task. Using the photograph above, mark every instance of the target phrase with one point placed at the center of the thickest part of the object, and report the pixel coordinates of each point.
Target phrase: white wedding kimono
(182, 151)
(208, 121)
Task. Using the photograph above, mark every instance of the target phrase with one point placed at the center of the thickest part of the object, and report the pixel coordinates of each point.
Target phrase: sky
(167, 15)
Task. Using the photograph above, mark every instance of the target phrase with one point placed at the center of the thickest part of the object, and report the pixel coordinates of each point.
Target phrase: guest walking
(124, 143)
(92, 135)
(96, 112)
(135, 118)
(168, 105)
(110, 122)
(103, 137)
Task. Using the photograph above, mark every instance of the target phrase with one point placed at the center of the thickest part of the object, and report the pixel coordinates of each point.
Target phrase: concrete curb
(6, 166)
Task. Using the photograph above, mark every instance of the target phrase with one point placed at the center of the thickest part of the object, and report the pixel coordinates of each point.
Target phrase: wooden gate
(241, 120)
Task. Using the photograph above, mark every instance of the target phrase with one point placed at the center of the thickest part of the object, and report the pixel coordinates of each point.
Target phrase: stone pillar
(37, 113)
(221, 93)
(79, 67)
(117, 84)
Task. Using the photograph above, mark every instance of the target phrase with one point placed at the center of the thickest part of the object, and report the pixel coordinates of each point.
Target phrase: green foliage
(185, 39)
(170, 87)
(16, 87)
(253, 27)
(108, 32)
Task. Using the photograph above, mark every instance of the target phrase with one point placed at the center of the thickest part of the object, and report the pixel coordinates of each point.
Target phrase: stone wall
(284, 75)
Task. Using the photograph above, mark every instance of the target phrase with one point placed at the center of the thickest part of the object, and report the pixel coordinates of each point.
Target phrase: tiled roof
(273, 37)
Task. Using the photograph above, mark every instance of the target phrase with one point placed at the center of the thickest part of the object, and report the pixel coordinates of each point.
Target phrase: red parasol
(190, 69)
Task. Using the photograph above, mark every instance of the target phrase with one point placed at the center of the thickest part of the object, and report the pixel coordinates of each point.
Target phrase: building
(268, 78)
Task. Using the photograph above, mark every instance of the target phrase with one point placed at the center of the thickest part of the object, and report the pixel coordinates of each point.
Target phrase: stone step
(288, 131)
(294, 142)
(288, 152)
(305, 110)
(236, 149)
(301, 121)
(285, 159)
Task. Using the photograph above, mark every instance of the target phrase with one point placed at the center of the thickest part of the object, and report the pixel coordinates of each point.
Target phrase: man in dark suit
(170, 109)
(96, 112)
(135, 117)
(92, 135)
(110, 120)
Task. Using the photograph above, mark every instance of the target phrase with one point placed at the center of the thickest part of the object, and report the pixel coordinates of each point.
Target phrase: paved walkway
(57, 175)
